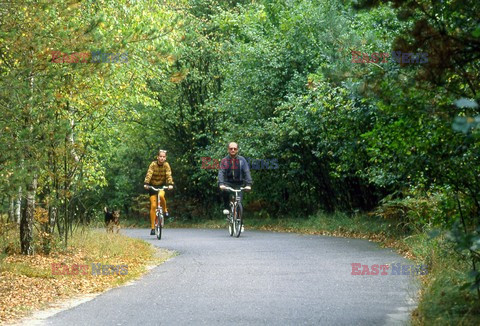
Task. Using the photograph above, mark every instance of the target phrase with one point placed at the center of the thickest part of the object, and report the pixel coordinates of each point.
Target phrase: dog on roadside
(112, 220)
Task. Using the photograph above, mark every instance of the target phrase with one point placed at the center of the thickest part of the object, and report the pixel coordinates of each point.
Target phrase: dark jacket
(234, 170)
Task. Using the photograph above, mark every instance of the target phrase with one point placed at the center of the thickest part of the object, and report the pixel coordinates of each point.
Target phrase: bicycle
(159, 218)
(235, 221)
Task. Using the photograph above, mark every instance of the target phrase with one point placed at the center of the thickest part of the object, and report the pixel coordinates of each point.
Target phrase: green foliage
(417, 213)
(61, 121)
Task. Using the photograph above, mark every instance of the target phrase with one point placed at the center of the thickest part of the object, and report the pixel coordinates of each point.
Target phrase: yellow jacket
(159, 175)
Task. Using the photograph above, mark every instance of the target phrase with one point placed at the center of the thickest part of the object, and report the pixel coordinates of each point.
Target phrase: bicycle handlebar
(234, 190)
(157, 189)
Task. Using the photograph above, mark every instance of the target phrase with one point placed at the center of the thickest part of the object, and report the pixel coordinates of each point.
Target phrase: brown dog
(112, 220)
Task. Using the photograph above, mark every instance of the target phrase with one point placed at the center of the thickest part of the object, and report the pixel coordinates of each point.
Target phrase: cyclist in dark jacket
(234, 172)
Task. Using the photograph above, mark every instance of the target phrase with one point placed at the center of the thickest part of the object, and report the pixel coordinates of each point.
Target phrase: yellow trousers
(153, 206)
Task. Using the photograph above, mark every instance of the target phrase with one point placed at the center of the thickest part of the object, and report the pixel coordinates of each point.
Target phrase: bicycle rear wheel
(237, 220)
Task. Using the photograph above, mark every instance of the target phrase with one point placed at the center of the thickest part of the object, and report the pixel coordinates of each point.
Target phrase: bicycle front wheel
(158, 227)
(230, 219)
(237, 220)
(230, 226)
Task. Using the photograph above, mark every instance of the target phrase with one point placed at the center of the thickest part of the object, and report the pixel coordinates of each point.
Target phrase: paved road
(261, 278)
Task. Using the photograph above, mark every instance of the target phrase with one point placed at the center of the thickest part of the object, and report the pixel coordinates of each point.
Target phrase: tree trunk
(11, 210)
(65, 192)
(18, 206)
(26, 221)
(49, 228)
(28, 209)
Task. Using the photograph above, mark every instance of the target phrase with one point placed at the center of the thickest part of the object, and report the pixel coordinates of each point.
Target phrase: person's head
(233, 149)
(162, 156)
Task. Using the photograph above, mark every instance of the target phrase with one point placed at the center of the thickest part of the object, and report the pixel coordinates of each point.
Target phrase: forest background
(388, 137)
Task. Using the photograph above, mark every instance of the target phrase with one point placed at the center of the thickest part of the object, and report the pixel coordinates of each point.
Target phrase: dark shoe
(152, 232)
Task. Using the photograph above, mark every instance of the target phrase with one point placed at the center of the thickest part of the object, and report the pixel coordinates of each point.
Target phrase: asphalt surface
(261, 278)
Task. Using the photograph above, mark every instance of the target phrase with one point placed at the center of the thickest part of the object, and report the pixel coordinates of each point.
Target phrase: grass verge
(442, 299)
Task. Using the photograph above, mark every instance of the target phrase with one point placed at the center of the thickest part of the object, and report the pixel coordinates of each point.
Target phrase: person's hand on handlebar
(146, 186)
(223, 187)
(170, 187)
(248, 188)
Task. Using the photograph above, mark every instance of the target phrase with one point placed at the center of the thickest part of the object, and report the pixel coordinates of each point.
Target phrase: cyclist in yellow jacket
(158, 175)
